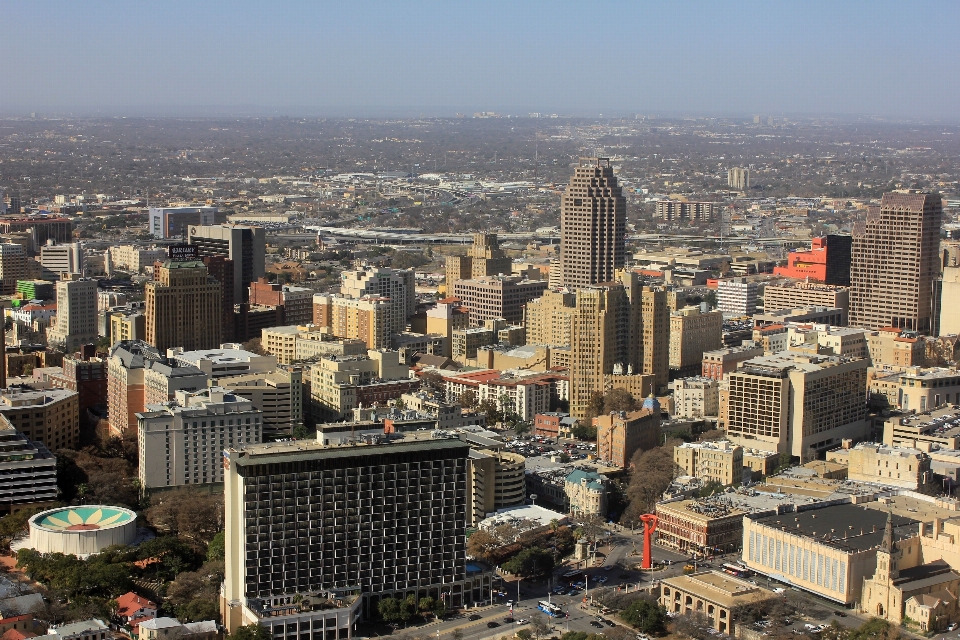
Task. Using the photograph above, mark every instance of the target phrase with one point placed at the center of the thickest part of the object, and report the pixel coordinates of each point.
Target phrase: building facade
(621, 434)
(711, 461)
(692, 332)
(183, 308)
(896, 262)
(183, 444)
(497, 297)
(76, 313)
(592, 225)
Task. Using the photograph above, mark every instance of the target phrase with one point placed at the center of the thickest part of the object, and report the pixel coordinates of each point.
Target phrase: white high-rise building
(737, 296)
(183, 444)
(61, 258)
(76, 313)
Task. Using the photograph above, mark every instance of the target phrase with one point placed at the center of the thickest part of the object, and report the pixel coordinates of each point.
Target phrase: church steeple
(888, 534)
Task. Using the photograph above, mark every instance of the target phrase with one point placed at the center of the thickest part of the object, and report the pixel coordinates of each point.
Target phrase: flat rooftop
(720, 588)
(847, 527)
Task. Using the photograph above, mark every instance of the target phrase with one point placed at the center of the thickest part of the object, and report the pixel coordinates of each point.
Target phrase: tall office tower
(738, 178)
(655, 327)
(497, 297)
(484, 258)
(549, 318)
(76, 313)
(183, 308)
(246, 246)
(61, 258)
(172, 222)
(593, 224)
(13, 267)
(693, 332)
(59, 230)
(603, 336)
(318, 534)
(896, 263)
(396, 284)
(221, 269)
(14, 208)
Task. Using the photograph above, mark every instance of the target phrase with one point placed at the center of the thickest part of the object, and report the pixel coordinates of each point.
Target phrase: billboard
(182, 252)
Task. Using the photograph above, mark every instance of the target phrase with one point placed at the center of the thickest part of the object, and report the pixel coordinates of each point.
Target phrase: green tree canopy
(645, 615)
(530, 562)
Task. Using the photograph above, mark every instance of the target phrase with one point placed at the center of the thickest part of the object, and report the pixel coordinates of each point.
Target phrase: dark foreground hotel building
(316, 535)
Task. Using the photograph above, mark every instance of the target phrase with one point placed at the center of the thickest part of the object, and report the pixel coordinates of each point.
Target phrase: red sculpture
(649, 526)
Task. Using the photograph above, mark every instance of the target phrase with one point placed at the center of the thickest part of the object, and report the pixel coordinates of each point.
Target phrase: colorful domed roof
(652, 403)
(84, 518)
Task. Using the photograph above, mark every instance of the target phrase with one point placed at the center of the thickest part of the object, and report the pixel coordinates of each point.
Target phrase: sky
(361, 58)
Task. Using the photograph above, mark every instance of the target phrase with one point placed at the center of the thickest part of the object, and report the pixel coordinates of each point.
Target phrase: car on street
(474, 617)
(492, 624)
(609, 623)
(594, 623)
(843, 615)
(523, 621)
(508, 619)
(608, 567)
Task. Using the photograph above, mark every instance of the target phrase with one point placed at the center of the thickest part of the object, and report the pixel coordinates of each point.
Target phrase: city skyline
(408, 59)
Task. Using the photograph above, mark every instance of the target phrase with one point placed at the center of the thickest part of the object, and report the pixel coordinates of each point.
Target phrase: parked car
(594, 623)
(474, 617)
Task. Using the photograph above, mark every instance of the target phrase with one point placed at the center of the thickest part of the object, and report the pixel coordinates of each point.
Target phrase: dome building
(81, 531)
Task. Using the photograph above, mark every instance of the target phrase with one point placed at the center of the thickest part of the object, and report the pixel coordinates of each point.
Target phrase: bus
(550, 609)
(737, 570)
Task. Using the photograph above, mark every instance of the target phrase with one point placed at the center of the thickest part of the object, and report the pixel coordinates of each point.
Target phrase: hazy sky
(350, 57)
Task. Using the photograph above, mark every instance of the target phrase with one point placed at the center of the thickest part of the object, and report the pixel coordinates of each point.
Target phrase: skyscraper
(484, 258)
(895, 263)
(307, 525)
(183, 307)
(738, 178)
(245, 246)
(593, 222)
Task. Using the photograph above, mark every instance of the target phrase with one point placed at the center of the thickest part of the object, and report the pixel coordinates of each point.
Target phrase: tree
(594, 406)
(645, 615)
(647, 486)
(468, 399)
(433, 380)
(300, 432)
(217, 547)
(251, 632)
(456, 634)
(529, 563)
(712, 487)
(481, 543)
(618, 400)
(389, 609)
(187, 513)
(584, 431)
(538, 625)
(427, 603)
(490, 408)
(692, 625)
(524, 634)
(254, 345)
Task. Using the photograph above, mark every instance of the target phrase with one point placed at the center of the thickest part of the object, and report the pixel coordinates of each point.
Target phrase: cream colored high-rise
(549, 319)
(484, 258)
(181, 306)
(76, 313)
(896, 263)
(593, 223)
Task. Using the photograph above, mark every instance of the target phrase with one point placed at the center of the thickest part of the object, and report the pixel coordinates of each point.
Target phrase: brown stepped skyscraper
(895, 263)
(593, 225)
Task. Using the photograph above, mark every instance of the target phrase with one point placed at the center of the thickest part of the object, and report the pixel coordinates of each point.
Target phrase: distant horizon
(372, 58)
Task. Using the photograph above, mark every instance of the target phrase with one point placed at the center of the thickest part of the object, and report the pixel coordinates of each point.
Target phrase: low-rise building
(896, 347)
(712, 594)
(621, 434)
(173, 629)
(693, 526)
(48, 416)
(711, 461)
(722, 361)
(28, 471)
(827, 551)
(295, 343)
(696, 397)
(818, 315)
(278, 394)
(914, 388)
(791, 295)
(229, 360)
(881, 464)
(938, 428)
(586, 493)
